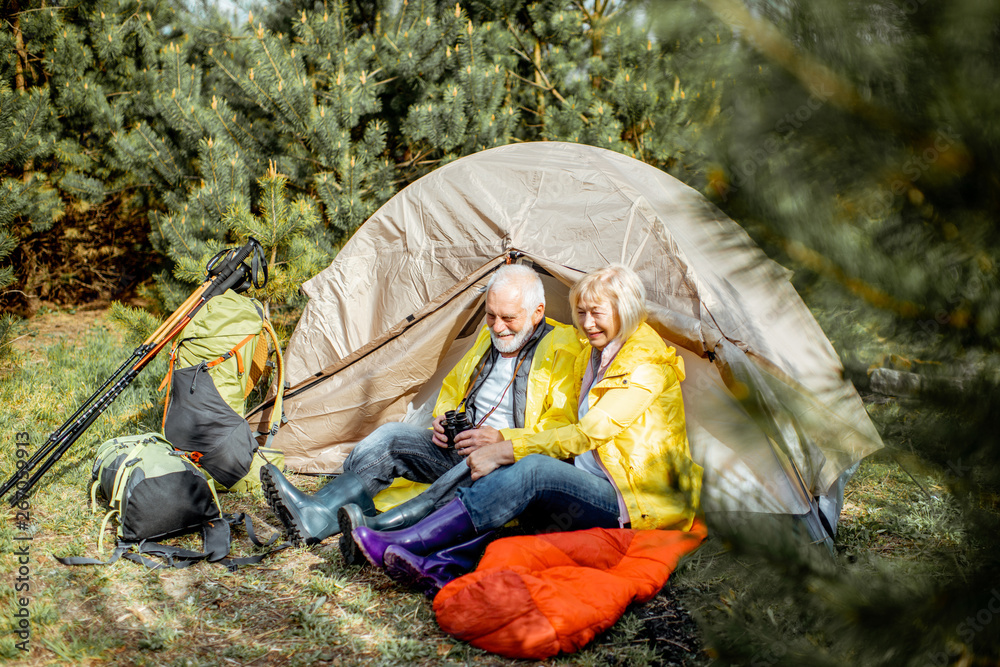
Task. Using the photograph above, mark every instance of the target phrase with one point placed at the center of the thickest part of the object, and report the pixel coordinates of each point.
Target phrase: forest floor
(304, 605)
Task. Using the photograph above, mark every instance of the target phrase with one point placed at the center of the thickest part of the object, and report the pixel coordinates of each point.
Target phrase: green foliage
(20, 199)
(350, 101)
(289, 233)
(849, 142)
(226, 116)
(27, 201)
(454, 74)
(863, 132)
(70, 78)
(594, 73)
(136, 323)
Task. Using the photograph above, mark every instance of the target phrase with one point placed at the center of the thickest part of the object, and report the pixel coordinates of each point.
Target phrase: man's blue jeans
(546, 495)
(404, 450)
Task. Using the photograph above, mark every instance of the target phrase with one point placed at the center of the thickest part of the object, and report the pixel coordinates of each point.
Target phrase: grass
(304, 606)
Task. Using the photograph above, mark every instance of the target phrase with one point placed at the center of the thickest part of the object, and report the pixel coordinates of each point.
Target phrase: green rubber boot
(311, 519)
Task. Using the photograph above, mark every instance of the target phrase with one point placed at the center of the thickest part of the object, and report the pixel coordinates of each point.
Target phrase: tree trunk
(540, 92)
(21, 62)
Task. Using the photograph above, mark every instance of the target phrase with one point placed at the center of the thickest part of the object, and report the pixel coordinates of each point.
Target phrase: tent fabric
(770, 416)
(534, 596)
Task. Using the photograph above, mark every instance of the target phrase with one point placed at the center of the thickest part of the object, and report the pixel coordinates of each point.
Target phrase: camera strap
(462, 404)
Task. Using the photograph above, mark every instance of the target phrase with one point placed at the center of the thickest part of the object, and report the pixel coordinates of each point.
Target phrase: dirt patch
(50, 327)
(669, 628)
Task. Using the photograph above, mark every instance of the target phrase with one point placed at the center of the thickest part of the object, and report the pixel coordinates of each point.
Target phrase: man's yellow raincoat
(550, 399)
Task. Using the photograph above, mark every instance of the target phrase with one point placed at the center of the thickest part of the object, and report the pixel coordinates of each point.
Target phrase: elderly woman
(625, 463)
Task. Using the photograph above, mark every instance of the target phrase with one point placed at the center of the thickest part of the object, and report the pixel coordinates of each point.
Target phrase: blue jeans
(404, 450)
(546, 495)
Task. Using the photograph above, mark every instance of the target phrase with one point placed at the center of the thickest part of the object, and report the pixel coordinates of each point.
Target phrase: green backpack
(157, 493)
(214, 365)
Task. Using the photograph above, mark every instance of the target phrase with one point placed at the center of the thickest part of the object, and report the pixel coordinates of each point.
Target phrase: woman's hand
(488, 458)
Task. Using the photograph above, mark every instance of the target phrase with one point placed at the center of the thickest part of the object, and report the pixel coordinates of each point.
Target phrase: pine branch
(548, 87)
(548, 84)
(812, 74)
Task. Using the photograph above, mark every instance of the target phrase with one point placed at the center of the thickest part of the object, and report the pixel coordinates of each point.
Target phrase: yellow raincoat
(551, 394)
(636, 425)
(550, 399)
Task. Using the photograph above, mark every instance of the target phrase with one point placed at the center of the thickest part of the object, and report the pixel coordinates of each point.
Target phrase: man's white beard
(511, 344)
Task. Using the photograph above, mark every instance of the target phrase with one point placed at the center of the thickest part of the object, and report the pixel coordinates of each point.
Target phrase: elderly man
(516, 379)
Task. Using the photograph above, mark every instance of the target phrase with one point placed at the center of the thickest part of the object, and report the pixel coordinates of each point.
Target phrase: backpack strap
(276, 409)
(120, 550)
(258, 362)
(235, 351)
(104, 526)
(244, 518)
(232, 564)
(93, 495)
(216, 539)
(118, 487)
(167, 383)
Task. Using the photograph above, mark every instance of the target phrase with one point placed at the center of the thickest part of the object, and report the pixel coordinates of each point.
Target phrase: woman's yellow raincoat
(636, 425)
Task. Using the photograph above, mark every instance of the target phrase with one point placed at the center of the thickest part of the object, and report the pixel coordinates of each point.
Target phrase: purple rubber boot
(447, 526)
(429, 574)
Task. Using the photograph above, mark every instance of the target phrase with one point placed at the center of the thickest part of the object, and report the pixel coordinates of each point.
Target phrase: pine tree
(223, 120)
(346, 109)
(290, 234)
(26, 200)
(856, 146)
(595, 73)
(453, 71)
(80, 68)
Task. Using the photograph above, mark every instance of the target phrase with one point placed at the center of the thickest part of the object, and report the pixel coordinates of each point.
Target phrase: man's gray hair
(525, 279)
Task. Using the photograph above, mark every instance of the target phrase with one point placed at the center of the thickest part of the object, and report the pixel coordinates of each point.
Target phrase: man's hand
(488, 458)
(439, 438)
(469, 441)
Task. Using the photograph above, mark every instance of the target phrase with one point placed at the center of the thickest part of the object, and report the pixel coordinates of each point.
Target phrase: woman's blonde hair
(621, 287)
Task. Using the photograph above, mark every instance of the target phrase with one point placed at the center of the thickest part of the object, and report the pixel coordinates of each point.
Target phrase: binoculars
(454, 423)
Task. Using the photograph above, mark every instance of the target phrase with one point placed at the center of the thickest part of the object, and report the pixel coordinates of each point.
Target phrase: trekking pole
(225, 271)
(60, 433)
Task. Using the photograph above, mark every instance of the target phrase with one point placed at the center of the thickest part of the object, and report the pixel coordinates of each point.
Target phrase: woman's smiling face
(598, 321)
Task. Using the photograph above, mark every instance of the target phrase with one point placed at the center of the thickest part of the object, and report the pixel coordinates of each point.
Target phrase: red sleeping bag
(533, 596)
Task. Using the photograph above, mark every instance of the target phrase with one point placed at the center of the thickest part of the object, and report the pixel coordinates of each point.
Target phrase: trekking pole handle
(227, 269)
(227, 261)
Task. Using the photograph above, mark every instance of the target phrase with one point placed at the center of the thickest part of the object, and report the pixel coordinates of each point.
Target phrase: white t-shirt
(492, 392)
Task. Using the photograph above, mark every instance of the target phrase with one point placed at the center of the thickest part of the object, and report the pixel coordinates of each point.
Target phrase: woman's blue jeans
(545, 494)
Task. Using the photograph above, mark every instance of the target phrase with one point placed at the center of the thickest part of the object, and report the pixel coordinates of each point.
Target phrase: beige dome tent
(770, 417)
